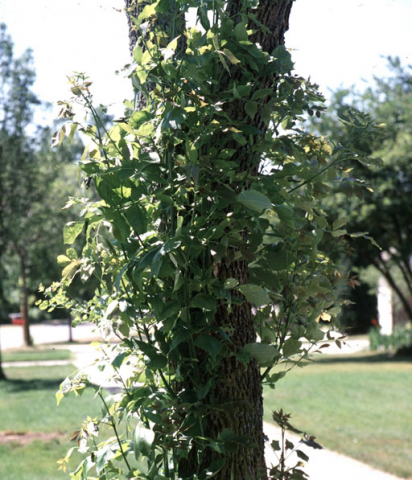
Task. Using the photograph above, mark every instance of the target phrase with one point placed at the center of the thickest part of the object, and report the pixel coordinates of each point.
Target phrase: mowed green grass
(35, 354)
(34, 461)
(28, 404)
(358, 405)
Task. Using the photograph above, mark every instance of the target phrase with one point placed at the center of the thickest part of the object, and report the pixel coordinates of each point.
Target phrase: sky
(335, 42)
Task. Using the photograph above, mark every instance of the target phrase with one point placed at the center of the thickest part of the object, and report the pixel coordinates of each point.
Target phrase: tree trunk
(24, 303)
(2, 374)
(241, 385)
(239, 388)
(70, 329)
(238, 392)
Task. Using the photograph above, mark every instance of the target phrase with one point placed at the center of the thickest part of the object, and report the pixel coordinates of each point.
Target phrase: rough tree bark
(239, 387)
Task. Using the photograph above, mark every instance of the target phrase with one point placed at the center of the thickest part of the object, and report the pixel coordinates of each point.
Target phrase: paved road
(11, 336)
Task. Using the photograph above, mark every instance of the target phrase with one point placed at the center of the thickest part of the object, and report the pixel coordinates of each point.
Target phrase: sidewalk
(326, 464)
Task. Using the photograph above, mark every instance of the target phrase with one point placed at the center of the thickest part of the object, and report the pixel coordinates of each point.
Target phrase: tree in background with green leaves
(209, 240)
(383, 209)
(33, 188)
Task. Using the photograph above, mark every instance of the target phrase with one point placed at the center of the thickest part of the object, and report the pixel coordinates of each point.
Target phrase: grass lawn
(28, 404)
(358, 405)
(34, 354)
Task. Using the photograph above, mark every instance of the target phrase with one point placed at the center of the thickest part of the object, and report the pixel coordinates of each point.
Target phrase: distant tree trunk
(238, 392)
(2, 374)
(24, 302)
(70, 329)
(2, 249)
(394, 285)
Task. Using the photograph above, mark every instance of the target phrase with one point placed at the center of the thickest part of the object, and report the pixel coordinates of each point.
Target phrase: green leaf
(208, 343)
(191, 152)
(169, 51)
(180, 337)
(313, 332)
(339, 233)
(275, 445)
(62, 260)
(241, 32)
(280, 260)
(139, 118)
(137, 54)
(71, 231)
(119, 359)
(302, 455)
(251, 108)
(254, 200)
(157, 361)
(174, 118)
(255, 294)
(171, 309)
(202, 300)
(275, 377)
(231, 283)
(137, 219)
(142, 441)
(147, 12)
(69, 270)
(261, 93)
(103, 456)
(263, 353)
(171, 245)
(340, 222)
(121, 229)
(291, 347)
(284, 57)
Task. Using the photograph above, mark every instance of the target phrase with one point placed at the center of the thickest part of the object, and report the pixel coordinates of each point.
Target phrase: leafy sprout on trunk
(209, 240)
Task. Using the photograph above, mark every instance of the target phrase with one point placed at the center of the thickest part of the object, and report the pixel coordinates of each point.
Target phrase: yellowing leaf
(59, 397)
(230, 56)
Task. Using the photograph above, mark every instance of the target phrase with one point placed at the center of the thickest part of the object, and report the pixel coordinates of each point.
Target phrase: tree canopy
(34, 184)
(383, 209)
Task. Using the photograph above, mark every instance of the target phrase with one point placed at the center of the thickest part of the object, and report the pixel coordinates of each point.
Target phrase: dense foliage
(210, 243)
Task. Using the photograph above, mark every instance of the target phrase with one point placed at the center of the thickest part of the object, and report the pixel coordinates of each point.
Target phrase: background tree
(33, 188)
(383, 210)
(210, 242)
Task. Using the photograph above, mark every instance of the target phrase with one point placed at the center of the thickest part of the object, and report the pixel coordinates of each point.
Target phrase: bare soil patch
(23, 438)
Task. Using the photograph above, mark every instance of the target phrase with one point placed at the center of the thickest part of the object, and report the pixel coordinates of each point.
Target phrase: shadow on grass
(18, 385)
(365, 358)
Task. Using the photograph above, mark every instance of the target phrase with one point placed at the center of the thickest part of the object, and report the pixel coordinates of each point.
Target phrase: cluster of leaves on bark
(383, 209)
(209, 241)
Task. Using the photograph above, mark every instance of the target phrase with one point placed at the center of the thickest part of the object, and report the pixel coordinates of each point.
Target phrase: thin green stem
(115, 431)
(314, 176)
